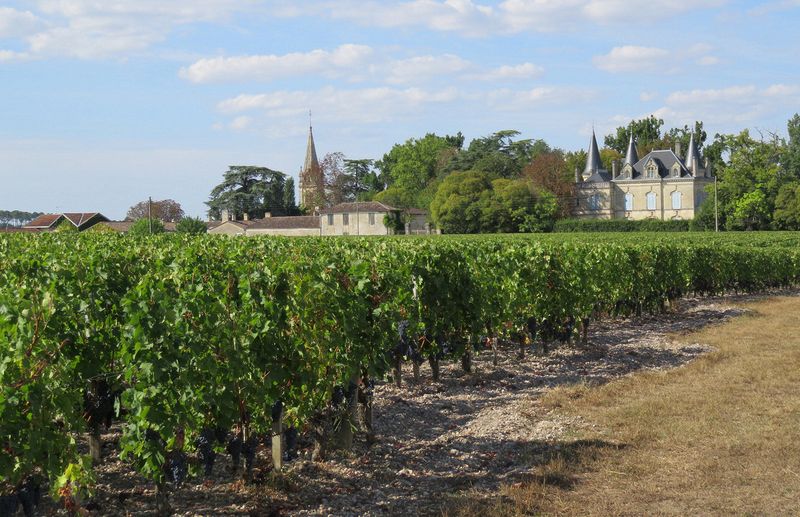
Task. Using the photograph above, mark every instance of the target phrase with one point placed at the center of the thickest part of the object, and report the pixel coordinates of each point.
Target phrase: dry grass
(720, 436)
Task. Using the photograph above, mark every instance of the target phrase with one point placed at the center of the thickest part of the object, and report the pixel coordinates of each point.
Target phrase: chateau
(661, 185)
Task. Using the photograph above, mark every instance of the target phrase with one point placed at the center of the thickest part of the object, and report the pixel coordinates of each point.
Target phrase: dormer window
(676, 170)
(651, 171)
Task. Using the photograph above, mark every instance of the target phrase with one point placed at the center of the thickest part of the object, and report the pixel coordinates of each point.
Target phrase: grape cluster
(98, 403)
(176, 467)
(291, 443)
(234, 448)
(249, 450)
(205, 448)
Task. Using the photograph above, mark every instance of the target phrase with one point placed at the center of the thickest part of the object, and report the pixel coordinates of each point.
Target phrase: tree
(791, 155)
(167, 210)
(411, 165)
(247, 189)
(191, 226)
(473, 202)
(146, 227)
(787, 207)
(550, 172)
(647, 131)
(289, 203)
(456, 208)
(14, 218)
(498, 155)
(748, 184)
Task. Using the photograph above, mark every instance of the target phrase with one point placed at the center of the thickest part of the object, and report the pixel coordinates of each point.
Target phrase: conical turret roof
(593, 162)
(692, 154)
(631, 157)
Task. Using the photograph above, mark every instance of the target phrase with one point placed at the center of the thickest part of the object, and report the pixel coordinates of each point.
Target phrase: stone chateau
(662, 185)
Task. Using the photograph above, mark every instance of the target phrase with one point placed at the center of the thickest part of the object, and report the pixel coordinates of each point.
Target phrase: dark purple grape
(291, 443)
(277, 410)
(338, 396)
(221, 434)
(205, 448)
(249, 450)
(234, 448)
(177, 467)
(8, 505)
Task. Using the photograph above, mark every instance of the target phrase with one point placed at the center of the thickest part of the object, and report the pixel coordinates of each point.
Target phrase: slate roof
(631, 157)
(664, 159)
(360, 206)
(285, 223)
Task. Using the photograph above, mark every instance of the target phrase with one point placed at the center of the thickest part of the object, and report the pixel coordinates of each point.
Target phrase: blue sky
(106, 102)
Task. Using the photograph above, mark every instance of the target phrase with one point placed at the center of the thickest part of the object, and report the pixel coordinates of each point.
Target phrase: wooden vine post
(277, 436)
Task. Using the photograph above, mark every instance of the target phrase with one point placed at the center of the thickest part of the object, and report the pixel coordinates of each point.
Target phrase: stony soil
(468, 432)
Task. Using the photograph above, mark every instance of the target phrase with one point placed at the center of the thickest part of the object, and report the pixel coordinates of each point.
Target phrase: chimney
(614, 168)
(707, 171)
(695, 166)
(246, 216)
(577, 175)
(678, 150)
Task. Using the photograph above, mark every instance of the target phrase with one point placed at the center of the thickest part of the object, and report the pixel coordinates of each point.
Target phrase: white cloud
(241, 122)
(419, 68)
(477, 19)
(343, 59)
(7, 56)
(739, 104)
(15, 24)
(522, 71)
(97, 29)
(366, 105)
(632, 58)
(647, 96)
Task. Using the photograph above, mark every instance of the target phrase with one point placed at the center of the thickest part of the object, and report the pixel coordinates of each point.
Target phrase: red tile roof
(44, 221)
(285, 223)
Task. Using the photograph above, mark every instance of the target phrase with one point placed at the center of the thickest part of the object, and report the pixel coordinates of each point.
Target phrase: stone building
(662, 185)
(312, 180)
(370, 218)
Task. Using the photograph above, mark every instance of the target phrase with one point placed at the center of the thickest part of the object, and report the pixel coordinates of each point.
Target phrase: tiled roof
(361, 206)
(285, 223)
(44, 221)
(14, 229)
(663, 159)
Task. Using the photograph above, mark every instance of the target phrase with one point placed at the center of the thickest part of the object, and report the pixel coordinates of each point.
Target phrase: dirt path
(468, 432)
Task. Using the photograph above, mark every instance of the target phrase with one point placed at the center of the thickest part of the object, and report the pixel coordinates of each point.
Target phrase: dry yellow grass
(720, 436)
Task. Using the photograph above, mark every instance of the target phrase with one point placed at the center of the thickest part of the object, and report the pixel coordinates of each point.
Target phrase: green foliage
(12, 218)
(787, 207)
(497, 155)
(202, 332)
(471, 202)
(191, 226)
(249, 190)
(409, 166)
(620, 225)
(65, 226)
(647, 131)
(146, 227)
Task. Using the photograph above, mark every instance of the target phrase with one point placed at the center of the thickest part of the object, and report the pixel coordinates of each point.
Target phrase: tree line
(503, 183)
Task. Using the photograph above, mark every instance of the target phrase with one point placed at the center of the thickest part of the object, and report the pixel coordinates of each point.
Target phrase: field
(253, 352)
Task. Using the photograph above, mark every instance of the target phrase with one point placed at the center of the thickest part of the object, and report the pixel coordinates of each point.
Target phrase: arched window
(676, 170)
(676, 200)
(594, 202)
(651, 200)
(628, 202)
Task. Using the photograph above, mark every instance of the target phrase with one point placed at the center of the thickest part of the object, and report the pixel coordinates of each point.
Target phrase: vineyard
(204, 346)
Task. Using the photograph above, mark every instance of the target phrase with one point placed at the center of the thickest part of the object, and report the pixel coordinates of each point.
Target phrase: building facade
(661, 185)
(371, 218)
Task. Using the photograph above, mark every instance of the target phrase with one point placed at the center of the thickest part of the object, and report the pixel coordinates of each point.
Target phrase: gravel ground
(467, 432)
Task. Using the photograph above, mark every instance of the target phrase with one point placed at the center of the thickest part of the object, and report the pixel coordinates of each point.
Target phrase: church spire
(311, 161)
(312, 182)
(692, 156)
(631, 157)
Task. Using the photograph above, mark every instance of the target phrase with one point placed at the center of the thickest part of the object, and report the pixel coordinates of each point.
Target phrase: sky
(106, 102)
